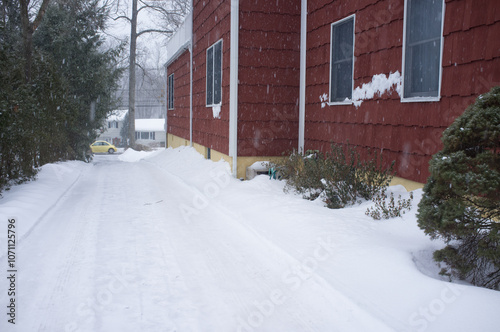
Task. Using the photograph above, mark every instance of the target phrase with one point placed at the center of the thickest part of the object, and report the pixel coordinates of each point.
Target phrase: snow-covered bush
(387, 207)
(340, 176)
(461, 201)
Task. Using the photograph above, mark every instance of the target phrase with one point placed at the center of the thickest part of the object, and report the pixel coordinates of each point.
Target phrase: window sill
(336, 103)
(420, 99)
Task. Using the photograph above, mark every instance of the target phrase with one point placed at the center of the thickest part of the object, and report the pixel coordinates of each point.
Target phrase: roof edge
(181, 40)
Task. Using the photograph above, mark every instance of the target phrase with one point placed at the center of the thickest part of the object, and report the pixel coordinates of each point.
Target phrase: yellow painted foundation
(176, 141)
(408, 184)
(244, 162)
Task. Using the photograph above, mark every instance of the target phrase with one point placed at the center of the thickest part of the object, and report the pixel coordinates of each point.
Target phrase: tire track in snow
(48, 210)
(378, 317)
(60, 243)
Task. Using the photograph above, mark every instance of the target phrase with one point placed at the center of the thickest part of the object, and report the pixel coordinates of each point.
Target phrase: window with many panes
(342, 60)
(422, 49)
(214, 74)
(145, 135)
(170, 101)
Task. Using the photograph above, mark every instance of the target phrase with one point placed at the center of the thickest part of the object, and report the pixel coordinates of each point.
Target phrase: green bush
(340, 176)
(461, 201)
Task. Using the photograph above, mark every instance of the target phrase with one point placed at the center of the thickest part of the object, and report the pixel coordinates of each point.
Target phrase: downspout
(166, 103)
(233, 86)
(191, 81)
(302, 87)
(191, 93)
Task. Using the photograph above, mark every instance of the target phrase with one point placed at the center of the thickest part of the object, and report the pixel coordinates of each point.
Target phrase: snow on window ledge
(379, 85)
(216, 111)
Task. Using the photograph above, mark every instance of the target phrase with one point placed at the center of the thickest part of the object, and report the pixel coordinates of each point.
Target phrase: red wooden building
(251, 79)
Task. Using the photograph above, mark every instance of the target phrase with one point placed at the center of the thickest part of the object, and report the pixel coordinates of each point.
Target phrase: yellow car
(102, 147)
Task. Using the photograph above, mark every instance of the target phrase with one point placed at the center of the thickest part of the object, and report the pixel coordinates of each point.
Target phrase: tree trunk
(27, 34)
(131, 80)
(28, 29)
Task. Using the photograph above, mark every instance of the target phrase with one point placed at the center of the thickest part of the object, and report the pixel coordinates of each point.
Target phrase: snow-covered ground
(168, 241)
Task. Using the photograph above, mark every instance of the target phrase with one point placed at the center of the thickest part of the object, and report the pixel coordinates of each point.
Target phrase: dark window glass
(342, 60)
(210, 76)
(214, 74)
(423, 48)
(217, 72)
(171, 92)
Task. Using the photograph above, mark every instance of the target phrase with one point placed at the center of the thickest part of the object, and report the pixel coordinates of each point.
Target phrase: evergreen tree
(70, 36)
(461, 201)
(54, 114)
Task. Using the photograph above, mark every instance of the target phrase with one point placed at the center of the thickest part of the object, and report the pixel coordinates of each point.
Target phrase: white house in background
(112, 127)
(150, 132)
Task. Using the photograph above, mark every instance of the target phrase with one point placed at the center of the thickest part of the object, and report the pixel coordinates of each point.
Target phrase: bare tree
(173, 13)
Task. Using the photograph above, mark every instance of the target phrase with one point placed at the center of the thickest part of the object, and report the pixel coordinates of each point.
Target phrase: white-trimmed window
(342, 61)
(112, 124)
(214, 74)
(170, 101)
(145, 135)
(422, 50)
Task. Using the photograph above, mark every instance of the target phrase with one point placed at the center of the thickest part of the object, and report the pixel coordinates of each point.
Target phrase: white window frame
(213, 76)
(348, 101)
(423, 98)
(151, 135)
(170, 100)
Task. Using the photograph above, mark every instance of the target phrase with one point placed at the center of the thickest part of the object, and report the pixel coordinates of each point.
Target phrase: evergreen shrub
(461, 201)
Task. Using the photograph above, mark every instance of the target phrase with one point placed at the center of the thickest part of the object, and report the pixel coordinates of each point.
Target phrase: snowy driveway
(172, 243)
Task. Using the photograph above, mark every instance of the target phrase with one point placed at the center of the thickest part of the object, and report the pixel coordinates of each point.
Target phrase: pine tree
(70, 36)
(50, 110)
(461, 201)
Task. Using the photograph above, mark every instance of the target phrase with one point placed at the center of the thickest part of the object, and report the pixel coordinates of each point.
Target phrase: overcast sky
(151, 47)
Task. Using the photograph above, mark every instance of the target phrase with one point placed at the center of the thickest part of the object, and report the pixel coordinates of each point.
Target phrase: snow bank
(28, 203)
(131, 155)
(190, 166)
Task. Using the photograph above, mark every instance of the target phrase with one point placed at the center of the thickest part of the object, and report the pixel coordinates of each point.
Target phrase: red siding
(268, 76)
(178, 118)
(409, 133)
(211, 23)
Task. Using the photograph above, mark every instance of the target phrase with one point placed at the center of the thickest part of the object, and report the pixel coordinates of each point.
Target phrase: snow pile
(186, 163)
(30, 202)
(131, 155)
(378, 86)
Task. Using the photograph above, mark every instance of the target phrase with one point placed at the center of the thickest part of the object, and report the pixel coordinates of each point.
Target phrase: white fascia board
(181, 40)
